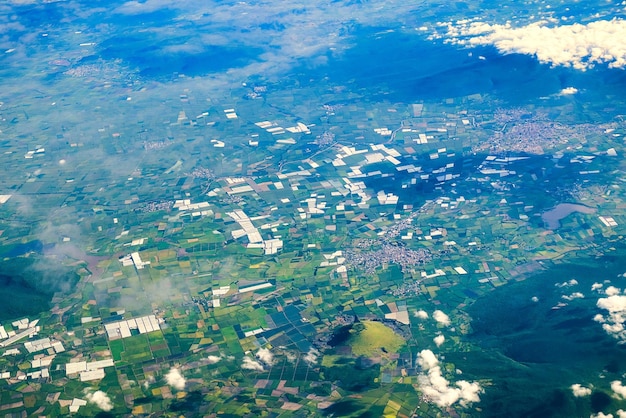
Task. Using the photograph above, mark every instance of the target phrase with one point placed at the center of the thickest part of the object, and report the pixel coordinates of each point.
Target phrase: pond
(553, 217)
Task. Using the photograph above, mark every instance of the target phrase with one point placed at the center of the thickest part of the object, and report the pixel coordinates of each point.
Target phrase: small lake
(553, 217)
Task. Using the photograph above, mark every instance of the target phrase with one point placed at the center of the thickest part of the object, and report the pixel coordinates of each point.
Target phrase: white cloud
(616, 329)
(149, 380)
(441, 317)
(250, 364)
(438, 390)
(614, 303)
(175, 379)
(281, 32)
(439, 339)
(535, 299)
(580, 391)
(601, 415)
(213, 359)
(427, 359)
(100, 399)
(596, 286)
(291, 356)
(311, 356)
(469, 392)
(149, 6)
(266, 356)
(580, 46)
(421, 314)
(612, 290)
(620, 414)
(575, 295)
(572, 282)
(567, 91)
(613, 323)
(618, 388)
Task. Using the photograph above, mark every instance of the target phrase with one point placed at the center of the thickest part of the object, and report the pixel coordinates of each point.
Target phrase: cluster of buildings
(255, 240)
(44, 350)
(124, 328)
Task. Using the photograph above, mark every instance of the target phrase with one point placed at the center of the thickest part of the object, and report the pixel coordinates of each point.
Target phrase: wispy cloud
(149, 6)
(250, 364)
(312, 356)
(575, 295)
(596, 286)
(214, 359)
(421, 314)
(266, 356)
(572, 282)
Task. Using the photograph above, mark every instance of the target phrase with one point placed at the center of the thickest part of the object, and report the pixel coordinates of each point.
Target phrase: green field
(373, 338)
(139, 348)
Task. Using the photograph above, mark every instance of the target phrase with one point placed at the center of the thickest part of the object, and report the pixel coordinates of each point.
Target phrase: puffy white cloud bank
(439, 339)
(100, 399)
(579, 46)
(580, 391)
(437, 389)
(175, 379)
(619, 389)
(620, 413)
(613, 322)
(612, 290)
(441, 317)
(601, 415)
